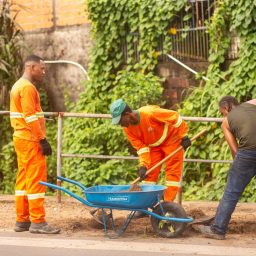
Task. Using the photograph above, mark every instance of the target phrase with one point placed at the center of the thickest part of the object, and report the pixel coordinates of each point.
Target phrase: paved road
(13, 244)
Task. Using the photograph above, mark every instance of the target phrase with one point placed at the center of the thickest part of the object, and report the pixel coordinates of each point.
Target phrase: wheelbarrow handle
(72, 182)
(67, 192)
(170, 155)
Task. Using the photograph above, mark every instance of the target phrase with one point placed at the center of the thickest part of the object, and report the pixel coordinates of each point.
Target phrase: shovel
(134, 184)
(136, 187)
(206, 220)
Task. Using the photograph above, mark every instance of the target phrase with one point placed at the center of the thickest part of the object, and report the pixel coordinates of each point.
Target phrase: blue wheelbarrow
(168, 219)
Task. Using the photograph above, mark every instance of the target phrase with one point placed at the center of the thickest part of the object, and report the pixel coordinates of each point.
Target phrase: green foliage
(8, 168)
(145, 89)
(11, 44)
(238, 79)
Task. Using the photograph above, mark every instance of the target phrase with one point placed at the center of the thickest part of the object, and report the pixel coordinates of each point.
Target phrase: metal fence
(60, 154)
(192, 40)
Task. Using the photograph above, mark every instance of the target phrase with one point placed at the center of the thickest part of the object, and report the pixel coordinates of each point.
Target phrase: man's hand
(185, 142)
(142, 172)
(45, 147)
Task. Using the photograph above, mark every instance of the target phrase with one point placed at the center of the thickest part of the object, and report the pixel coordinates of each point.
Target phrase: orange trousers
(173, 169)
(29, 195)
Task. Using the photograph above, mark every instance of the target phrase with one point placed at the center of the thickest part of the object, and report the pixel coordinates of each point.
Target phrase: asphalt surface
(15, 244)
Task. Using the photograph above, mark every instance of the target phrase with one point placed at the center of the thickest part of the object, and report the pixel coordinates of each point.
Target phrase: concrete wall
(72, 43)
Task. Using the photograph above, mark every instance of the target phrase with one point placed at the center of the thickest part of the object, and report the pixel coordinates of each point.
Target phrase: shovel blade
(203, 220)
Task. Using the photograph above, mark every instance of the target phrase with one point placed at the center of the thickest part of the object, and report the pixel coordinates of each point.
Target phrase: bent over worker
(238, 127)
(31, 146)
(155, 133)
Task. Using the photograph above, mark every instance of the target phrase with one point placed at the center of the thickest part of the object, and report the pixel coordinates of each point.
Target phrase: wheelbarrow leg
(95, 214)
(121, 230)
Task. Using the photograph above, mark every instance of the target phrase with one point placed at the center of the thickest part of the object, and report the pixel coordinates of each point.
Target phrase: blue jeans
(240, 174)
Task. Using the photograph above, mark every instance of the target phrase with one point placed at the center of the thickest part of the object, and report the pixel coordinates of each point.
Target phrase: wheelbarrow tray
(119, 196)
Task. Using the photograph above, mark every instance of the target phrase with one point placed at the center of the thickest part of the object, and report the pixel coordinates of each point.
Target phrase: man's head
(34, 68)
(121, 113)
(226, 104)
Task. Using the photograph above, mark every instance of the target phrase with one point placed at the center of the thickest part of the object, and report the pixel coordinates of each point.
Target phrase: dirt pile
(74, 218)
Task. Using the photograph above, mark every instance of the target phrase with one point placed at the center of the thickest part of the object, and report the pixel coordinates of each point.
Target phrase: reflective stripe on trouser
(173, 169)
(29, 194)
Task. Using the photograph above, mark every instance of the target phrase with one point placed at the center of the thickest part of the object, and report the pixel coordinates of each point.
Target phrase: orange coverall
(158, 134)
(28, 122)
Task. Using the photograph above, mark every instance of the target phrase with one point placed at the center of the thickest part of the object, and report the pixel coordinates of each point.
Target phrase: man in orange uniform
(155, 133)
(31, 147)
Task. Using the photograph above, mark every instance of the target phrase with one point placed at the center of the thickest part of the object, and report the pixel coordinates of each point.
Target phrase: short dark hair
(228, 101)
(32, 58)
(127, 109)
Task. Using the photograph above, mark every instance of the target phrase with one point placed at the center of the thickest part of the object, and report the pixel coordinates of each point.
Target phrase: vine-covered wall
(115, 24)
(238, 79)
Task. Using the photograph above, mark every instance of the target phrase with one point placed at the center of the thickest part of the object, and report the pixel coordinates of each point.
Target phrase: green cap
(116, 110)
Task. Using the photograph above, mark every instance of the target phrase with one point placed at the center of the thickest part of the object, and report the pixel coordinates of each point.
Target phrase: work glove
(142, 172)
(45, 147)
(185, 142)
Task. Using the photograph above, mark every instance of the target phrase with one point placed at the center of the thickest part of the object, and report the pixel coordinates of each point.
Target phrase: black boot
(22, 226)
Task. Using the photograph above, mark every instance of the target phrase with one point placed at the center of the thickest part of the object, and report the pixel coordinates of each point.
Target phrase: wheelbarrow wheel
(165, 228)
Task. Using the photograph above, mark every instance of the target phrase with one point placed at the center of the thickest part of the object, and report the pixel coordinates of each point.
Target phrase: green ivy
(11, 45)
(137, 25)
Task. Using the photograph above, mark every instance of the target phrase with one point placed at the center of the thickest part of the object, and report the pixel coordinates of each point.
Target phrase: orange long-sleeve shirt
(156, 127)
(26, 114)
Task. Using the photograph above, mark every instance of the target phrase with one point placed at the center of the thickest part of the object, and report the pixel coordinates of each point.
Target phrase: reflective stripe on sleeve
(31, 119)
(40, 114)
(35, 196)
(143, 150)
(16, 115)
(27, 119)
(163, 137)
(178, 122)
(20, 193)
(148, 182)
(172, 183)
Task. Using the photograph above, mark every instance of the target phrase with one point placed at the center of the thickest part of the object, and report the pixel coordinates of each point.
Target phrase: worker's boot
(43, 228)
(140, 214)
(22, 226)
(208, 232)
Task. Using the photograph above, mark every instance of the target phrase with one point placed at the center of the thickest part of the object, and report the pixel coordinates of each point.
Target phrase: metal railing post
(59, 151)
(179, 194)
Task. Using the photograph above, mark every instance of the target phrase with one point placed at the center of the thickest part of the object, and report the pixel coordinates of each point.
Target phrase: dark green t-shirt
(242, 123)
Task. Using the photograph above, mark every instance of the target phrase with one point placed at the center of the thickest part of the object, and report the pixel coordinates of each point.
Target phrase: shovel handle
(170, 155)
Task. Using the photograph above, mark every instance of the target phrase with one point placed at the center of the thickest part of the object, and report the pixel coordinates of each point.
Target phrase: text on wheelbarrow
(118, 198)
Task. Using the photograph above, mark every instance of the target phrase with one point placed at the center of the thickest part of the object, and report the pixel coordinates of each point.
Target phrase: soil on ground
(75, 220)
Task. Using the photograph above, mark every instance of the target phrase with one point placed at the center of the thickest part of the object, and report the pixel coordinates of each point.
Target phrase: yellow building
(49, 14)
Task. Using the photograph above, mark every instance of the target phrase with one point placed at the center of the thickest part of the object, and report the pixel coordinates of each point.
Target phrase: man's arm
(231, 140)
(28, 104)
(142, 149)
